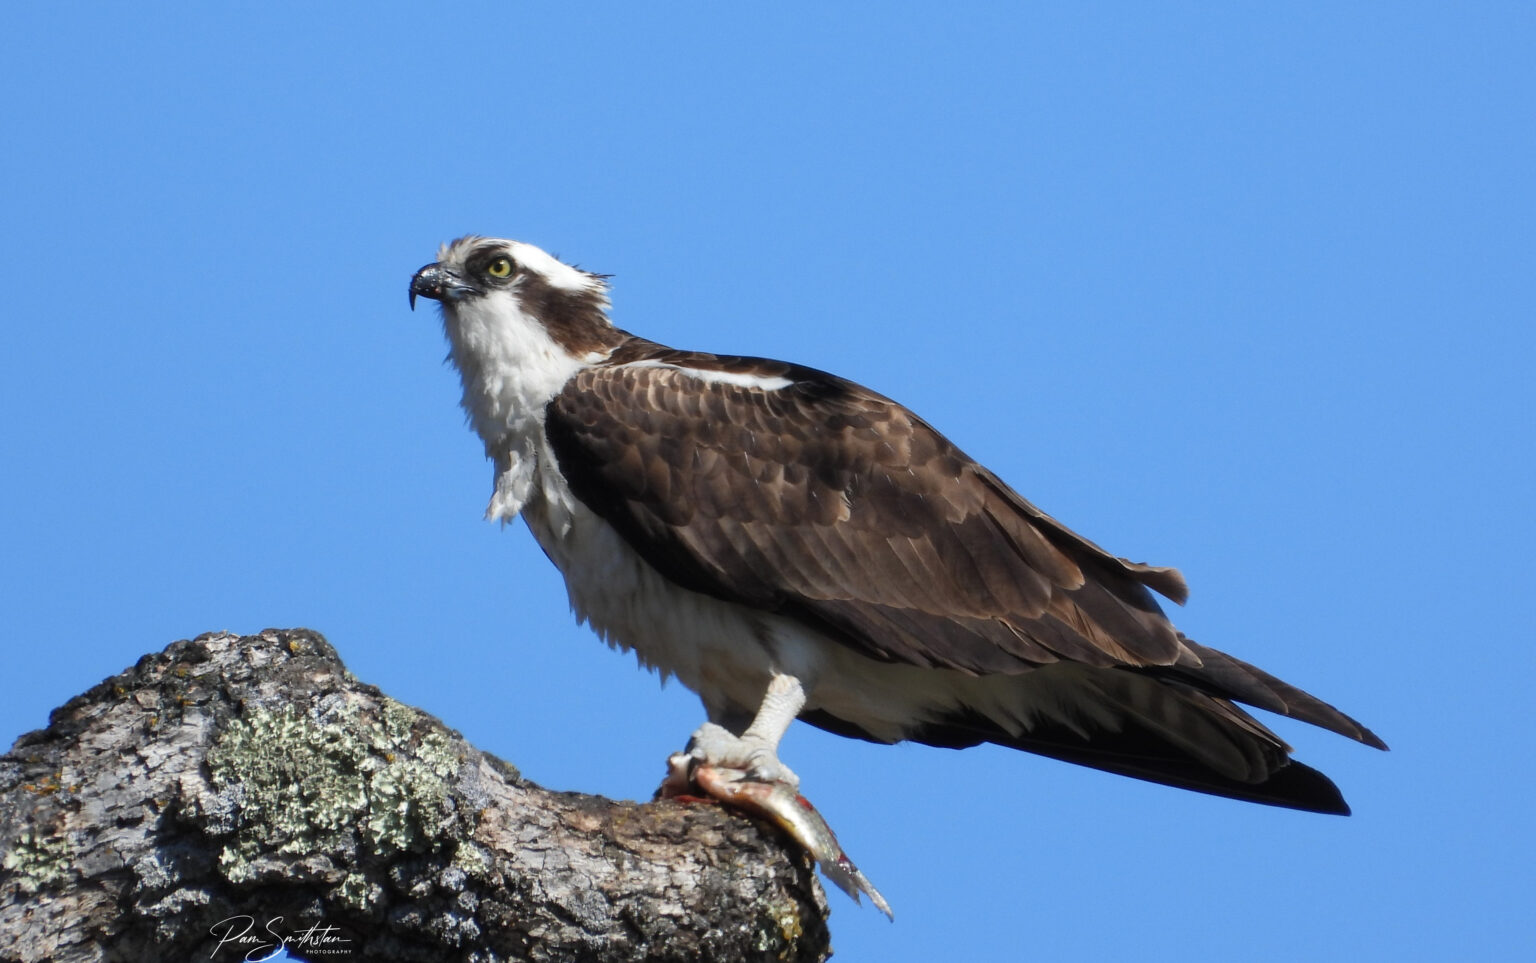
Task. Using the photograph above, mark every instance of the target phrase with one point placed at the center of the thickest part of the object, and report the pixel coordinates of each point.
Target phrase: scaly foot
(717, 746)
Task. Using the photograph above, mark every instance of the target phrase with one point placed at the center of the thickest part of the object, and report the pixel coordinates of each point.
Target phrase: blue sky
(1241, 288)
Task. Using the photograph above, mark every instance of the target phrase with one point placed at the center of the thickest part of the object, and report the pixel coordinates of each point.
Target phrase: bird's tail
(1173, 725)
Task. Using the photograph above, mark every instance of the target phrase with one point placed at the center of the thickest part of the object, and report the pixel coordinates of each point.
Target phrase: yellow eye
(499, 268)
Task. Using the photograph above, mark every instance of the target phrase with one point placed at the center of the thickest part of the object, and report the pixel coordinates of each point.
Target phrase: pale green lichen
(38, 859)
(473, 860)
(358, 892)
(306, 786)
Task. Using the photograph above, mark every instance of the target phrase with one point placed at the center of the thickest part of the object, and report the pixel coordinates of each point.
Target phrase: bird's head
(497, 285)
(520, 324)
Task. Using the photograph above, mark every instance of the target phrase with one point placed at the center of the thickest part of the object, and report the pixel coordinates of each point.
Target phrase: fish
(776, 803)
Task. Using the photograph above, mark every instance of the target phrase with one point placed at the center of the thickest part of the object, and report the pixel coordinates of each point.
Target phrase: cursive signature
(242, 935)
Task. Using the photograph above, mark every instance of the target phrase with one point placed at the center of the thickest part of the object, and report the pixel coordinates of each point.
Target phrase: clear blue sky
(1241, 288)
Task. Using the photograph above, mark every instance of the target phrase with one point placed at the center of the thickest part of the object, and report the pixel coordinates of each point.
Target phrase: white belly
(714, 648)
(726, 653)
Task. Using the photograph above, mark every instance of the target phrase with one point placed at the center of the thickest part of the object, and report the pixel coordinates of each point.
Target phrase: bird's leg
(756, 750)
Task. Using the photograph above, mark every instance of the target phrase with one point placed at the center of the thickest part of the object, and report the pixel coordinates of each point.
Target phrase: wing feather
(833, 504)
(838, 508)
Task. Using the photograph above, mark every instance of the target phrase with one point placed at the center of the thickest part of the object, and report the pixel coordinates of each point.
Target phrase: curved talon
(717, 746)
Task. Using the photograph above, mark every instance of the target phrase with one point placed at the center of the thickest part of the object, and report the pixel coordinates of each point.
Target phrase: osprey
(790, 544)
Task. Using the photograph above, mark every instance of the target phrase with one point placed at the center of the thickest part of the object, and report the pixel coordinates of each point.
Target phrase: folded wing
(793, 491)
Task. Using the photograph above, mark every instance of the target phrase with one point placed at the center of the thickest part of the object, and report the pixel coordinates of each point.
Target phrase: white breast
(715, 648)
(726, 652)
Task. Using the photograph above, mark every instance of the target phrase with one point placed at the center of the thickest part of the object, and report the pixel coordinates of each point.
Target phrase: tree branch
(233, 791)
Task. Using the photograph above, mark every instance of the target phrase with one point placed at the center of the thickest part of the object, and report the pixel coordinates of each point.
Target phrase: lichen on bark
(333, 780)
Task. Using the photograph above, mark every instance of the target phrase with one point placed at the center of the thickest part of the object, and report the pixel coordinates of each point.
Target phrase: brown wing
(834, 505)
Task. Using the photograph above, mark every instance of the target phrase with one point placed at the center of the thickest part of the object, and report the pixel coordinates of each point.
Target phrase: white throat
(510, 369)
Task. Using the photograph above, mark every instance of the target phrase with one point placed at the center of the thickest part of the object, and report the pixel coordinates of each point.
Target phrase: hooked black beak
(438, 283)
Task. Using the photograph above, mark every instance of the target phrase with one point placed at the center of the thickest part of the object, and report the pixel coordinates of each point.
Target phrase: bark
(232, 793)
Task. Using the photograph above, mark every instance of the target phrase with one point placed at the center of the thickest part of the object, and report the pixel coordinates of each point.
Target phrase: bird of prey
(790, 545)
